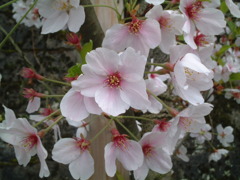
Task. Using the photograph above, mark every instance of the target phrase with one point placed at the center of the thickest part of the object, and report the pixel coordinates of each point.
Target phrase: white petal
(65, 151)
(76, 19)
(110, 154)
(159, 161)
(142, 172)
(42, 154)
(55, 24)
(33, 105)
(91, 105)
(234, 9)
(131, 157)
(155, 2)
(9, 116)
(22, 156)
(72, 106)
(82, 167)
(109, 101)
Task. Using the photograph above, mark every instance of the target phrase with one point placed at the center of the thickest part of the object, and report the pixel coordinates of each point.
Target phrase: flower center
(113, 80)
(147, 150)
(29, 142)
(192, 10)
(164, 22)
(135, 26)
(63, 5)
(185, 123)
(201, 40)
(83, 144)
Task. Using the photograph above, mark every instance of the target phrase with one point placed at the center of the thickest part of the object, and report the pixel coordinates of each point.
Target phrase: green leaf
(235, 77)
(74, 71)
(87, 47)
(224, 7)
(119, 176)
(222, 50)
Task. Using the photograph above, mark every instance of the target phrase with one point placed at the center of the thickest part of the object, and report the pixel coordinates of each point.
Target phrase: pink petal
(76, 18)
(159, 161)
(132, 157)
(33, 105)
(9, 116)
(168, 40)
(109, 101)
(65, 151)
(134, 94)
(82, 167)
(42, 154)
(117, 38)
(132, 66)
(142, 172)
(55, 24)
(88, 83)
(22, 156)
(91, 106)
(72, 106)
(110, 155)
(211, 21)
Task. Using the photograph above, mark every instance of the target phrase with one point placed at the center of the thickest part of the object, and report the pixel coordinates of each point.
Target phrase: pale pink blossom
(142, 35)
(155, 157)
(34, 100)
(26, 142)
(171, 23)
(114, 80)
(225, 135)
(128, 152)
(203, 134)
(60, 14)
(182, 153)
(217, 154)
(76, 107)
(207, 20)
(221, 73)
(235, 93)
(75, 152)
(190, 76)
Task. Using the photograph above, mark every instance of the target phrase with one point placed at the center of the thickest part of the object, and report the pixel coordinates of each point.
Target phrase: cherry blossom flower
(32, 19)
(75, 152)
(171, 23)
(221, 73)
(155, 2)
(225, 135)
(142, 35)
(76, 107)
(114, 80)
(190, 76)
(25, 140)
(44, 112)
(182, 153)
(207, 20)
(128, 152)
(155, 157)
(161, 126)
(217, 154)
(203, 134)
(60, 14)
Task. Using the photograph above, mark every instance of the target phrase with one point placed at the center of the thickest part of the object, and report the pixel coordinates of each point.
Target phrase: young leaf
(87, 47)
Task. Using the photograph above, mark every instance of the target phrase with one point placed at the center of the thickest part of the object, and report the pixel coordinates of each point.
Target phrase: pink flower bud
(30, 93)
(30, 74)
(74, 40)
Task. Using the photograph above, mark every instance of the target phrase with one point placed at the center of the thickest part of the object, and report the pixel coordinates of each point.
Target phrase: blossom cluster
(115, 78)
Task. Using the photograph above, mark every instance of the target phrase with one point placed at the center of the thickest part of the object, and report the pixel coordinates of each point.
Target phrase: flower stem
(8, 3)
(124, 127)
(52, 96)
(16, 26)
(171, 111)
(132, 117)
(53, 124)
(55, 81)
(47, 117)
(101, 131)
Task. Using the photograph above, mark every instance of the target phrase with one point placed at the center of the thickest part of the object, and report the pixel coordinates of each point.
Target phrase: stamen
(114, 80)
